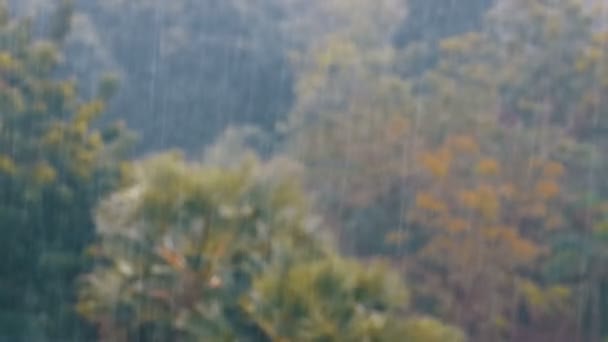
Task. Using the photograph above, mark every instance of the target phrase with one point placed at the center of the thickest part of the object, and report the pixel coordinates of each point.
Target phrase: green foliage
(468, 153)
(339, 300)
(328, 300)
(428, 329)
(186, 240)
(201, 252)
(53, 165)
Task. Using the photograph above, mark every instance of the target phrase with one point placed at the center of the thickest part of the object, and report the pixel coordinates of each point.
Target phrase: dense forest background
(303, 170)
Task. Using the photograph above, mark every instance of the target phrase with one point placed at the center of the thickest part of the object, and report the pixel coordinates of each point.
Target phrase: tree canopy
(394, 170)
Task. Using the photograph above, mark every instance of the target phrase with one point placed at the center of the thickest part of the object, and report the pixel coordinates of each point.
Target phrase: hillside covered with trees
(304, 170)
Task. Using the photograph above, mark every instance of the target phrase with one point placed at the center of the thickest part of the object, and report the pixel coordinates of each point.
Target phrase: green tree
(185, 241)
(339, 300)
(53, 167)
(194, 252)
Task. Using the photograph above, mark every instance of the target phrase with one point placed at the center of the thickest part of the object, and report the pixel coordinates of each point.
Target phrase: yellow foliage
(547, 189)
(457, 225)
(524, 249)
(85, 157)
(69, 90)
(545, 300)
(95, 140)
(600, 37)
(487, 167)
(80, 127)
(127, 173)
(469, 199)
(464, 143)
(427, 201)
(553, 169)
(489, 209)
(54, 136)
(44, 173)
(499, 232)
(492, 233)
(519, 246)
(560, 293)
(89, 111)
(429, 330)
(489, 205)
(462, 43)
(533, 294)
(336, 51)
(479, 72)
(438, 164)
(501, 322)
(594, 54)
(6, 60)
(7, 165)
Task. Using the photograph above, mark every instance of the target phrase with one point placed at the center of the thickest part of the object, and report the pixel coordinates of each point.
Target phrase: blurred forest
(304, 170)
